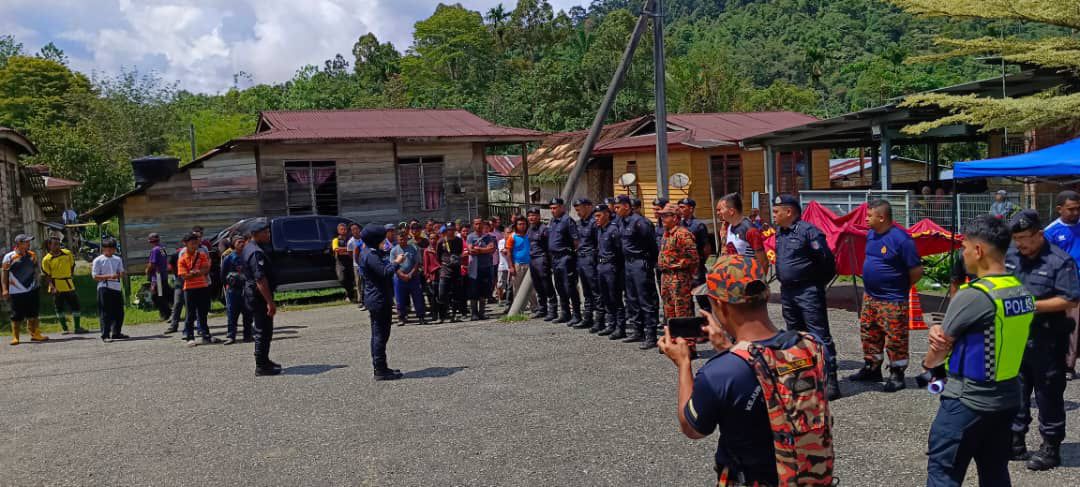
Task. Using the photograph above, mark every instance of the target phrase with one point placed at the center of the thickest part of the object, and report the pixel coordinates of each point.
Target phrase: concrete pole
(661, 100)
(594, 133)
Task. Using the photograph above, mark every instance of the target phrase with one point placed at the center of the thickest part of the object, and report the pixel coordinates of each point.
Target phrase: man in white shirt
(503, 281)
(108, 269)
(19, 280)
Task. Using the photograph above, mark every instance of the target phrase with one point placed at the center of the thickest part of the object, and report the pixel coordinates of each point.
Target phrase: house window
(791, 173)
(420, 181)
(726, 173)
(311, 188)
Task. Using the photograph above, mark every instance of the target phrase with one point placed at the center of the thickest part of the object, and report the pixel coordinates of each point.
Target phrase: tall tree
(8, 48)
(1052, 108)
(34, 88)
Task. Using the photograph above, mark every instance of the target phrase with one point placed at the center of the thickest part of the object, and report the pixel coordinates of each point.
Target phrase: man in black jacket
(378, 271)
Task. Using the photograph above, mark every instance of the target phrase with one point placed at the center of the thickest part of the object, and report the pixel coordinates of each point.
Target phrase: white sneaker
(191, 343)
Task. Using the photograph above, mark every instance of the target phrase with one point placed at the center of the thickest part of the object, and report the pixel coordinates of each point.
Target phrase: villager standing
(58, 267)
(19, 279)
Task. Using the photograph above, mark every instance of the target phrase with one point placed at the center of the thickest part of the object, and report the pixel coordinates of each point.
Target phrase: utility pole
(191, 136)
(661, 99)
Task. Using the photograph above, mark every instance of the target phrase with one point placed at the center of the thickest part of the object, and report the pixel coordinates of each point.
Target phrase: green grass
(86, 289)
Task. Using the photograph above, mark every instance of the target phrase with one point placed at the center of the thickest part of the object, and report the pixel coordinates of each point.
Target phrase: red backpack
(793, 385)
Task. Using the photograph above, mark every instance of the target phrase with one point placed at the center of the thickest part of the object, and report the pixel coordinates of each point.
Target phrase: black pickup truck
(299, 248)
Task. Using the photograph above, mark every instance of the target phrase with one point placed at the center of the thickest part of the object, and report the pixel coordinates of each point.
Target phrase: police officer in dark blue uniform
(610, 273)
(259, 293)
(1049, 274)
(804, 266)
(687, 207)
(640, 252)
(540, 266)
(378, 271)
(586, 265)
(562, 238)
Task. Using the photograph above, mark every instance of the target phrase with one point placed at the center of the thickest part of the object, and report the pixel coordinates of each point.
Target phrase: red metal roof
(711, 129)
(379, 125)
(503, 165)
(52, 183)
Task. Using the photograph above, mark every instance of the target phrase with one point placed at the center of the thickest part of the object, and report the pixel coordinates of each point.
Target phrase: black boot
(539, 313)
(635, 336)
(869, 373)
(598, 327)
(1019, 447)
(583, 322)
(832, 388)
(1048, 457)
(474, 313)
(564, 315)
(896, 380)
(387, 374)
(650, 339)
(551, 311)
(481, 309)
(267, 370)
(620, 331)
(575, 317)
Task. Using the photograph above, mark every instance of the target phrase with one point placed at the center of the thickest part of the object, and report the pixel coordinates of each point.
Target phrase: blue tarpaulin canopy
(1055, 161)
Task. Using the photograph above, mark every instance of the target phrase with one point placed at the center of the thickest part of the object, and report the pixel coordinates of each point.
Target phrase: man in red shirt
(194, 266)
(740, 237)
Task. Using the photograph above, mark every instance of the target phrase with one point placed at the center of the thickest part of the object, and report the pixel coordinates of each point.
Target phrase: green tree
(34, 88)
(212, 128)
(1062, 51)
(450, 61)
(52, 53)
(375, 63)
(8, 48)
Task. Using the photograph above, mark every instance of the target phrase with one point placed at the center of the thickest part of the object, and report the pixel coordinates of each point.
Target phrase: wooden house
(31, 201)
(367, 165)
(704, 146)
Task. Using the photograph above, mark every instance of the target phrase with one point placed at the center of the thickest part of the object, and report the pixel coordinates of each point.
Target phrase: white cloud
(202, 43)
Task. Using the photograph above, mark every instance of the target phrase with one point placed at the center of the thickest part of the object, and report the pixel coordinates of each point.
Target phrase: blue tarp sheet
(1054, 161)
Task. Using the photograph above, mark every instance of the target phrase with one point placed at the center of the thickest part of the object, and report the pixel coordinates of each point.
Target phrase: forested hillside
(523, 65)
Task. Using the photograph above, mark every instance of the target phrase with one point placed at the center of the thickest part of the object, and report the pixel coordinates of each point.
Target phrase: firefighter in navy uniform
(638, 242)
(562, 240)
(1048, 273)
(258, 275)
(586, 266)
(804, 266)
(610, 273)
(540, 267)
(687, 207)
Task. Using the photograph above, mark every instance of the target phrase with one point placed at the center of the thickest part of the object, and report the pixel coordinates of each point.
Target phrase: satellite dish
(628, 179)
(679, 181)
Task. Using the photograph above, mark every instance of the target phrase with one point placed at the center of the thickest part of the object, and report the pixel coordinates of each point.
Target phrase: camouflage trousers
(884, 325)
(675, 287)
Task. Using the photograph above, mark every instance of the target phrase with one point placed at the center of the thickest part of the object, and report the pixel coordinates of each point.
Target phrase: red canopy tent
(846, 236)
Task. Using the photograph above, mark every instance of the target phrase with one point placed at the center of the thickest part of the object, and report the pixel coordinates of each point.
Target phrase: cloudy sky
(201, 43)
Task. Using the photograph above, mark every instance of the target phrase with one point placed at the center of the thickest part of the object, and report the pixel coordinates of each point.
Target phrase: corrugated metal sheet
(503, 165)
(558, 152)
(710, 129)
(372, 125)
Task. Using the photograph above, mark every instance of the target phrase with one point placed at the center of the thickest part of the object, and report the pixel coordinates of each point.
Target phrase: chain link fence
(909, 208)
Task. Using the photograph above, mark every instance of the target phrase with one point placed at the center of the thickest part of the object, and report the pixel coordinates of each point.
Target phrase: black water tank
(152, 169)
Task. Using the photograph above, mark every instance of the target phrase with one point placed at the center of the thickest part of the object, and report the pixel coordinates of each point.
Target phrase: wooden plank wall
(230, 171)
(11, 222)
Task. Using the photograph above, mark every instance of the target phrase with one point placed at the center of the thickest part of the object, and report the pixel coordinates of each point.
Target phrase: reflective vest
(994, 354)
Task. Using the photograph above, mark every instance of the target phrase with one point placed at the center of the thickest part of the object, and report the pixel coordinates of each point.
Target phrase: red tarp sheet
(846, 236)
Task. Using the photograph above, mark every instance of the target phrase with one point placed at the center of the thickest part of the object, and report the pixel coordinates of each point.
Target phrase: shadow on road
(433, 372)
(1070, 454)
(68, 339)
(311, 369)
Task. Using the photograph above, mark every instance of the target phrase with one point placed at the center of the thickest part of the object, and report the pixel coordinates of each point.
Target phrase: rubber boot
(869, 373)
(832, 388)
(35, 335)
(1048, 457)
(1019, 447)
(14, 334)
(896, 380)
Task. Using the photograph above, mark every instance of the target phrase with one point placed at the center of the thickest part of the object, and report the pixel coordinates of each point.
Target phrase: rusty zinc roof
(558, 152)
(503, 165)
(381, 125)
(705, 130)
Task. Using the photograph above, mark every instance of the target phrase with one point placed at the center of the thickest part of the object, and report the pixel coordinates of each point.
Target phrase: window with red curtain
(311, 188)
(420, 182)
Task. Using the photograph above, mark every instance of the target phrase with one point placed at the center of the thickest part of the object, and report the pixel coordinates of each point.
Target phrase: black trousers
(590, 287)
(641, 290)
(452, 291)
(262, 324)
(611, 283)
(110, 311)
(380, 313)
(346, 275)
(198, 303)
(803, 307)
(959, 435)
(164, 302)
(540, 270)
(564, 270)
(1043, 372)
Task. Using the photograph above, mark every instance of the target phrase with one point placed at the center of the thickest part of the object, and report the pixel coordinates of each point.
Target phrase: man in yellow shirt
(58, 266)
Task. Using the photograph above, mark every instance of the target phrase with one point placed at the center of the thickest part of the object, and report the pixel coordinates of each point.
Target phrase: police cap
(622, 199)
(786, 200)
(1024, 221)
(601, 207)
(533, 211)
(256, 225)
(661, 202)
(582, 201)
(688, 202)
(556, 201)
(635, 202)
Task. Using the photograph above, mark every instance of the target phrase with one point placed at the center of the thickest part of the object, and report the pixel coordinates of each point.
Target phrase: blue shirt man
(890, 256)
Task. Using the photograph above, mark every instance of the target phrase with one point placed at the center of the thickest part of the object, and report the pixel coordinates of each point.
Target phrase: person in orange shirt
(194, 268)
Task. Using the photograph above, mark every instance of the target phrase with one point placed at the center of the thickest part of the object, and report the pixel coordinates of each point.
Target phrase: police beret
(622, 199)
(582, 201)
(660, 202)
(1024, 221)
(786, 200)
(688, 202)
(533, 211)
(257, 225)
(373, 234)
(635, 202)
(556, 201)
